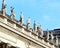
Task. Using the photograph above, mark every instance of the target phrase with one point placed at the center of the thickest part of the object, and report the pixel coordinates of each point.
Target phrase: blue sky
(44, 12)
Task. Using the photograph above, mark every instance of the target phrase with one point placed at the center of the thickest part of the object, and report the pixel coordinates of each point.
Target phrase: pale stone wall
(16, 40)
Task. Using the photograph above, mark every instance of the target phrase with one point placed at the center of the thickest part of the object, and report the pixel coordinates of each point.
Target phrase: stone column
(3, 45)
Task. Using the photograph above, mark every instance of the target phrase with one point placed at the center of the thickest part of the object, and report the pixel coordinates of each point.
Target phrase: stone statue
(56, 40)
(35, 26)
(41, 30)
(12, 13)
(38, 30)
(3, 4)
(47, 35)
(3, 8)
(52, 37)
(28, 23)
(21, 17)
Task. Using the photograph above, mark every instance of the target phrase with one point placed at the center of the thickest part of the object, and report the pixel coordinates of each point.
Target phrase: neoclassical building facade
(15, 34)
